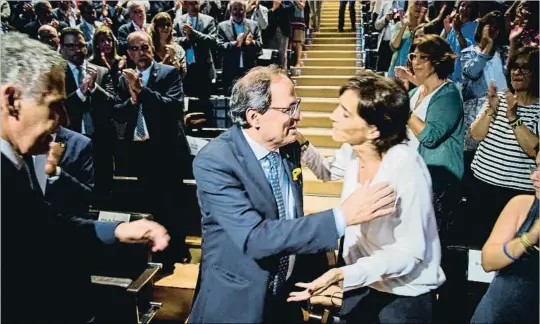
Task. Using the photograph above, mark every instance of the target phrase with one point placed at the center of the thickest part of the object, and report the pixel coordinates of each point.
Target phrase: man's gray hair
(252, 91)
(135, 3)
(24, 61)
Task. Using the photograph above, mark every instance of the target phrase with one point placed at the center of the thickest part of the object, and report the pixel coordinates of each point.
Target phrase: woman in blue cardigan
(436, 124)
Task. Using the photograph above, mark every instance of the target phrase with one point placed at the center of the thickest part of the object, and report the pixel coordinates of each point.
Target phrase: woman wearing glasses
(512, 251)
(435, 125)
(392, 263)
(507, 129)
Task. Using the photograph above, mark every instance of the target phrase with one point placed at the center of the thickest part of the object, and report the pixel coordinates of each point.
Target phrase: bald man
(48, 35)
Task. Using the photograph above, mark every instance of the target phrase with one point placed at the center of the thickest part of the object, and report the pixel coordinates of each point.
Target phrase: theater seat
(122, 278)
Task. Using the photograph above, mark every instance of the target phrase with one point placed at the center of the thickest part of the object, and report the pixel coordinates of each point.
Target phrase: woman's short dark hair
(440, 53)
(493, 18)
(532, 55)
(383, 103)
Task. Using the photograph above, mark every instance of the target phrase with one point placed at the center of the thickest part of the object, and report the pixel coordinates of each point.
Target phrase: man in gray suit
(256, 242)
(240, 40)
(197, 35)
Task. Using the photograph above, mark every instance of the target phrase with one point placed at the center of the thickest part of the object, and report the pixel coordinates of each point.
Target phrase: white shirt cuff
(81, 96)
(341, 222)
(56, 175)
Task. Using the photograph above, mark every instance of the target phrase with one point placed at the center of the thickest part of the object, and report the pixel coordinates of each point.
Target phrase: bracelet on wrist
(304, 146)
(505, 251)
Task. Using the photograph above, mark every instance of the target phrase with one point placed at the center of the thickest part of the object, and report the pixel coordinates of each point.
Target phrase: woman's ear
(373, 133)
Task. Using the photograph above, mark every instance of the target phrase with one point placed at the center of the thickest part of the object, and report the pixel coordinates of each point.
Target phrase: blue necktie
(139, 129)
(190, 55)
(273, 177)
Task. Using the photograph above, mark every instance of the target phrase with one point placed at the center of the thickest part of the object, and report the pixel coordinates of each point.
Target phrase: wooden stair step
(334, 35)
(316, 119)
(318, 91)
(328, 70)
(314, 186)
(331, 54)
(320, 137)
(322, 80)
(334, 61)
(314, 204)
(335, 40)
(318, 104)
(332, 47)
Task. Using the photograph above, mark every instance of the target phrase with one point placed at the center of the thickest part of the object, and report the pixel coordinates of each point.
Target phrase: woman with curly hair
(436, 123)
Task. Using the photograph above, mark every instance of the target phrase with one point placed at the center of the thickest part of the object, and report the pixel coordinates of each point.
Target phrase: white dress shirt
(400, 253)
(145, 77)
(39, 168)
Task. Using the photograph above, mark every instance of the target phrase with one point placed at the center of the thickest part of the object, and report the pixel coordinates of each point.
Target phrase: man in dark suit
(89, 105)
(40, 250)
(240, 40)
(64, 13)
(151, 104)
(197, 35)
(137, 15)
(255, 239)
(43, 10)
(69, 186)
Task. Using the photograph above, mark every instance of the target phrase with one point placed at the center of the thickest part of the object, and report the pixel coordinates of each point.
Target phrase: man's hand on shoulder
(369, 202)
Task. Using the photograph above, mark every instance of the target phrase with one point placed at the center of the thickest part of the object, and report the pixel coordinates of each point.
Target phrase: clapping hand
(134, 83)
(511, 104)
(249, 39)
(493, 98)
(240, 40)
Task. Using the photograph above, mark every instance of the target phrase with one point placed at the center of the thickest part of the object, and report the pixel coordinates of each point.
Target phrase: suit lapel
(71, 84)
(253, 168)
(153, 75)
(233, 30)
(294, 181)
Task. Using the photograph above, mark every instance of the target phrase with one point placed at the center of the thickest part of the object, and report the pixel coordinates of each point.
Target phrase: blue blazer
(242, 235)
(72, 191)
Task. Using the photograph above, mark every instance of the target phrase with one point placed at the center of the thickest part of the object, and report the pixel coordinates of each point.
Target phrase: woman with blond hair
(166, 50)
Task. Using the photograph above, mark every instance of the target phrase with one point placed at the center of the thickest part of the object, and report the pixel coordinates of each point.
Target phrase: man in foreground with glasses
(256, 242)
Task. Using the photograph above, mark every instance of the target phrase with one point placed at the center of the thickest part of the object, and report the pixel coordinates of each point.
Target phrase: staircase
(327, 64)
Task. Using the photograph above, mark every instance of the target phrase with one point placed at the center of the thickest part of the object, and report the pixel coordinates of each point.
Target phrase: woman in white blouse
(391, 264)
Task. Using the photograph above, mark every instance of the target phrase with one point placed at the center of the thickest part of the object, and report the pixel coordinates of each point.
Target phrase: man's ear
(253, 118)
(11, 95)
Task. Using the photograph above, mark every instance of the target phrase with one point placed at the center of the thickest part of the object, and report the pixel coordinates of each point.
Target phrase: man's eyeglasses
(72, 46)
(421, 57)
(143, 48)
(523, 69)
(291, 110)
(533, 169)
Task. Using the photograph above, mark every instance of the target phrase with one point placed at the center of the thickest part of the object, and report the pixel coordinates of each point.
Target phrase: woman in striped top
(508, 130)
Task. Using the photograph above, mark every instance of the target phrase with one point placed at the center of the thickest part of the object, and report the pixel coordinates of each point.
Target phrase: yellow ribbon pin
(296, 172)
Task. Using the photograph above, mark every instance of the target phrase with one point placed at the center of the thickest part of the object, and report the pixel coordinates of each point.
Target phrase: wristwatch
(304, 146)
